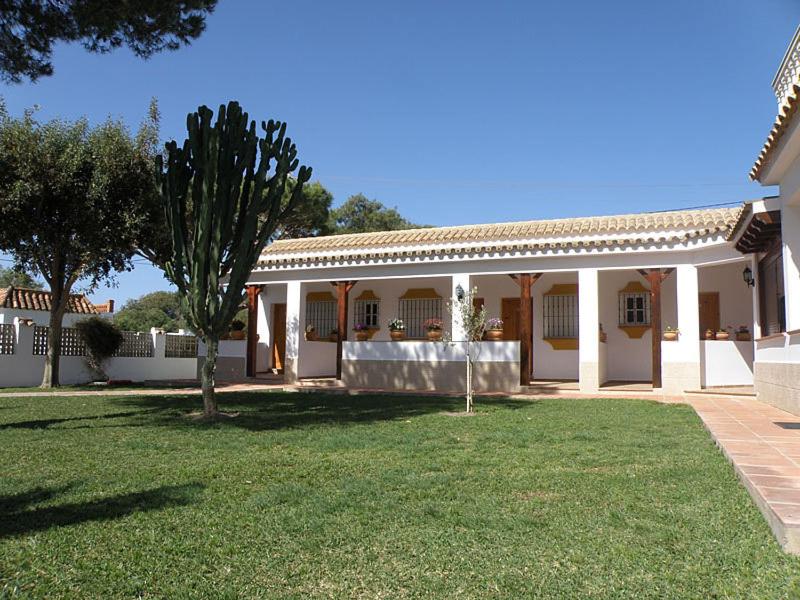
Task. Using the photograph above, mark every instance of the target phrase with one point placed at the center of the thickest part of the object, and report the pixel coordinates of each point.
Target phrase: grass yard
(333, 496)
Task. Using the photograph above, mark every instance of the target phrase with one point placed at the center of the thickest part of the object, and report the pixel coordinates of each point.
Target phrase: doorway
(278, 336)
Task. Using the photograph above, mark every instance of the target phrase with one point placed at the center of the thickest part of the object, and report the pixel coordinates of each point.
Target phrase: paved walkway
(144, 390)
(763, 443)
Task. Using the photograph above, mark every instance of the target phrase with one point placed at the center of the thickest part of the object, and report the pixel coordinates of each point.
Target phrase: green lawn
(334, 496)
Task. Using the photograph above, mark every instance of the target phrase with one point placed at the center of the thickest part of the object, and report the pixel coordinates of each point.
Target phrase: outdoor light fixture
(747, 275)
(459, 292)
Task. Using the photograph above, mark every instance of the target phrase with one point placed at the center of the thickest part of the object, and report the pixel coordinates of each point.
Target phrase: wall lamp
(747, 275)
(459, 292)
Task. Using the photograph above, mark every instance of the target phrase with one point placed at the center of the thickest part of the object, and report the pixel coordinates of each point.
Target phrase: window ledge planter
(743, 336)
(670, 336)
(722, 335)
(494, 335)
(362, 335)
(434, 335)
(397, 334)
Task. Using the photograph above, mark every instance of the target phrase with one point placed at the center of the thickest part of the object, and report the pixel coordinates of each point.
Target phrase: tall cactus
(222, 198)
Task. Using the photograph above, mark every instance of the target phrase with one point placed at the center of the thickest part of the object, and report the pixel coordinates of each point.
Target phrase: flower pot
(397, 334)
(333, 337)
(434, 335)
(670, 336)
(362, 336)
(311, 336)
(709, 334)
(743, 336)
(723, 335)
(494, 335)
(603, 337)
(237, 335)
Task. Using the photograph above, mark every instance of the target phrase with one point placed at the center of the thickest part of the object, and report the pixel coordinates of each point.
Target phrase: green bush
(102, 338)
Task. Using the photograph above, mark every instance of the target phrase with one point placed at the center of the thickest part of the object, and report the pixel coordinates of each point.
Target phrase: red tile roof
(27, 299)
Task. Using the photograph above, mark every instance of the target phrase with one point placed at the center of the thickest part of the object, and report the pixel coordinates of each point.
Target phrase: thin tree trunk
(207, 379)
(52, 361)
(469, 378)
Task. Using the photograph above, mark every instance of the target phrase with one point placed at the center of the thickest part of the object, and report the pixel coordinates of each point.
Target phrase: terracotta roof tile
(782, 121)
(27, 299)
(619, 229)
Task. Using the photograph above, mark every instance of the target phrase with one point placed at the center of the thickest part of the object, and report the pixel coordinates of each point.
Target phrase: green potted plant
(670, 334)
(494, 329)
(237, 331)
(362, 332)
(397, 329)
(433, 328)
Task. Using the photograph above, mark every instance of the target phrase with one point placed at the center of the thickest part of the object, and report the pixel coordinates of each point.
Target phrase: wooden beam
(342, 291)
(656, 277)
(252, 329)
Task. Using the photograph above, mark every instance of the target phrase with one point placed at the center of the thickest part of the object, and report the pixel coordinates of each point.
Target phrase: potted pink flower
(433, 328)
(494, 329)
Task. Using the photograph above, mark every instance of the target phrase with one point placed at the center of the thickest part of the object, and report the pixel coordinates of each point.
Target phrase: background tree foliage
(30, 28)
(71, 200)
(359, 214)
(9, 277)
(157, 309)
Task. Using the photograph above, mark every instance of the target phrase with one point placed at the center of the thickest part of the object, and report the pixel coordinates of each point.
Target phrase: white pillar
(680, 360)
(293, 333)
(589, 330)
(790, 235)
(756, 300)
(456, 329)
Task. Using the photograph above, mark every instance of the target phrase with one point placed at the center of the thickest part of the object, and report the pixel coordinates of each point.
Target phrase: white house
(582, 299)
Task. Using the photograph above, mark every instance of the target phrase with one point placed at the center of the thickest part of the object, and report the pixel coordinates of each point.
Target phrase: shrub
(102, 339)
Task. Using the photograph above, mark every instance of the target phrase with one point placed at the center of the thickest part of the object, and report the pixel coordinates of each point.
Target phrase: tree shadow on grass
(46, 423)
(19, 518)
(264, 411)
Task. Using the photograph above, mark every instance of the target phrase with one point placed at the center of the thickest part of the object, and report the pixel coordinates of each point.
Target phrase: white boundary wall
(24, 369)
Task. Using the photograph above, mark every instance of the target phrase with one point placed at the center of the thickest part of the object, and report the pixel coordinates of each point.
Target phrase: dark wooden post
(656, 277)
(342, 291)
(525, 282)
(252, 328)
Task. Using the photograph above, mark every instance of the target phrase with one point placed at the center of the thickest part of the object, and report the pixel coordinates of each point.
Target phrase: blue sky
(465, 112)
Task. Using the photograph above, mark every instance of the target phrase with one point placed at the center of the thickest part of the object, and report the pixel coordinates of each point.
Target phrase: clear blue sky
(465, 112)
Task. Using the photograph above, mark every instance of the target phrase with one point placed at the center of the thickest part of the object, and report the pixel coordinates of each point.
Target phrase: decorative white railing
(71, 341)
(180, 346)
(136, 344)
(789, 71)
(8, 337)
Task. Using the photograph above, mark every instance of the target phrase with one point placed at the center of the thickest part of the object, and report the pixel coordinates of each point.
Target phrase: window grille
(135, 345)
(7, 338)
(367, 312)
(321, 314)
(180, 346)
(634, 308)
(71, 341)
(415, 311)
(560, 316)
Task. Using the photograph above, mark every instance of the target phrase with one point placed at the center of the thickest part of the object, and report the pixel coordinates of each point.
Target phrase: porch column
(589, 379)
(253, 292)
(656, 277)
(680, 367)
(790, 236)
(756, 297)
(525, 282)
(457, 332)
(293, 333)
(342, 293)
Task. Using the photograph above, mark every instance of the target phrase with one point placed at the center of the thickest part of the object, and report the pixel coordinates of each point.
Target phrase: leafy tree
(222, 192)
(102, 339)
(157, 309)
(30, 28)
(314, 219)
(9, 277)
(70, 198)
(359, 214)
